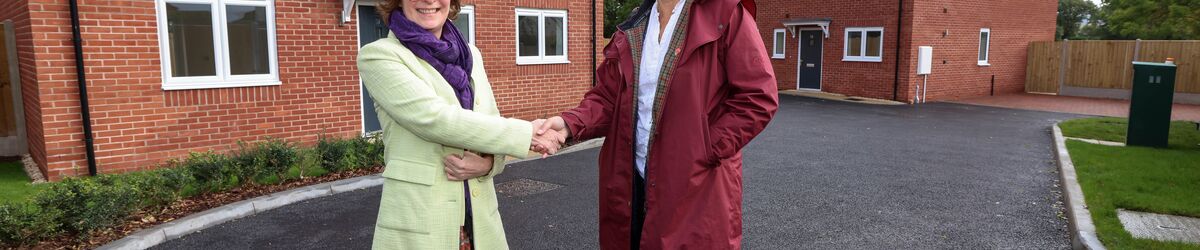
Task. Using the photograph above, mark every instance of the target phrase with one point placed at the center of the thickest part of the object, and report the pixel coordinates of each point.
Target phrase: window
(780, 44)
(541, 36)
(985, 40)
(217, 43)
(864, 45)
(466, 23)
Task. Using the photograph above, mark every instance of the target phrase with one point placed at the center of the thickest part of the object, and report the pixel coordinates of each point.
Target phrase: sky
(1097, 2)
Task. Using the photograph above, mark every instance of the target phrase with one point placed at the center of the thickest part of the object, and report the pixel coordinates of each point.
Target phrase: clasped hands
(548, 137)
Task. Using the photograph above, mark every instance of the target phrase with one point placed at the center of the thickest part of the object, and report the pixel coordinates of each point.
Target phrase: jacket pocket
(411, 171)
(710, 154)
(406, 207)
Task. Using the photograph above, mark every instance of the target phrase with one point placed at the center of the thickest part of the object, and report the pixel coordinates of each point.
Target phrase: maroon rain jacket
(721, 94)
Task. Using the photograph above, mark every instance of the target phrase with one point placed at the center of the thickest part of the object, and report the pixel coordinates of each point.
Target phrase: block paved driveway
(825, 175)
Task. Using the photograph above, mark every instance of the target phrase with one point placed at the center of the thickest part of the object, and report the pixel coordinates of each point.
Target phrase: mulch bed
(146, 219)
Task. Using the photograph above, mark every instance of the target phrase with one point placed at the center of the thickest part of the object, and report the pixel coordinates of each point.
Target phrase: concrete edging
(150, 237)
(1083, 231)
(153, 236)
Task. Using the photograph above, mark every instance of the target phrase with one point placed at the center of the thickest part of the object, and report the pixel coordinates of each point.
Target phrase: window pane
(527, 32)
(190, 34)
(249, 53)
(983, 45)
(855, 43)
(779, 40)
(555, 39)
(874, 40)
(463, 23)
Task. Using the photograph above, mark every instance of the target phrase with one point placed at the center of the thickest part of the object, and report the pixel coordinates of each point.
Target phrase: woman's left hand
(467, 166)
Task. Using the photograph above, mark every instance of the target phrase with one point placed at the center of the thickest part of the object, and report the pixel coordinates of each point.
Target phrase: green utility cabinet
(1150, 104)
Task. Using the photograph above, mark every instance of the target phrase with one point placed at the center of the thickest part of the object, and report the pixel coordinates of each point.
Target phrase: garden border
(150, 237)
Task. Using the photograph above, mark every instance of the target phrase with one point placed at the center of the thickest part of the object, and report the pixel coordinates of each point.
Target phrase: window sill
(984, 64)
(778, 57)
(875, 59)
(542, 62)
(239, 84)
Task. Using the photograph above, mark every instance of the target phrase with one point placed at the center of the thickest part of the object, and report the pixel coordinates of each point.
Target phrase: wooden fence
(8, 124)
(1107, 64)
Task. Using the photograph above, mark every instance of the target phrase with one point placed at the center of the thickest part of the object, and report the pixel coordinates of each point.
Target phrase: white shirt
(654, 51)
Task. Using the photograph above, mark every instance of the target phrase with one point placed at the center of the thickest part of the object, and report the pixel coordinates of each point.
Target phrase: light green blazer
(423, 122)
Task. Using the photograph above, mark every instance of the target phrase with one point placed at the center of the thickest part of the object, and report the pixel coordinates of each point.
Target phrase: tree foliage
(1129, 19)
(616, 12)
(1071, 17)
(1151, 19)
(1147, 19)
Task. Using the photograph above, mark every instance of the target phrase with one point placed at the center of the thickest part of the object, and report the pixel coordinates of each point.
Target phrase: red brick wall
(1013, 23)
(870, 79)
(137, 125)
(536, 91)
(19, 13)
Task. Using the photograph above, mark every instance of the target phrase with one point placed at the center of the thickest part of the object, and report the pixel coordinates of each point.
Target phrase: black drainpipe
(593, 52)
(899, 27)
(993, 84)
(83, 100)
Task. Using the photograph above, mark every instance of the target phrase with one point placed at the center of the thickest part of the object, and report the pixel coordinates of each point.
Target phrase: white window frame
(223, 77)
(541, 58)
(779, 54)
(863, 58)
(986, 48)
(469, 10)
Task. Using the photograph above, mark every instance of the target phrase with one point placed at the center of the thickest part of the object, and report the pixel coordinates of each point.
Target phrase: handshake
(549, 135)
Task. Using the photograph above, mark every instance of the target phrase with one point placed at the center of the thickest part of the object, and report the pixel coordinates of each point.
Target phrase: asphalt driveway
(825, 175)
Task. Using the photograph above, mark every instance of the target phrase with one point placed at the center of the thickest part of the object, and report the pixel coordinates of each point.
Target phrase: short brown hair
(387, 6)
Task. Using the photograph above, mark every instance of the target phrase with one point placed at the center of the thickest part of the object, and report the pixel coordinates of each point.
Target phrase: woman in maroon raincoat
(716, 91)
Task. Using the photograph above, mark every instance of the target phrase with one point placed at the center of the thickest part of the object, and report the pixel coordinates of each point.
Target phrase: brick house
(169, 77)
(850, 47)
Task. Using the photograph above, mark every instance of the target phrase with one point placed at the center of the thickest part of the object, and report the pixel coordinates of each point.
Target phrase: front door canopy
(347, 9)
(793, 24)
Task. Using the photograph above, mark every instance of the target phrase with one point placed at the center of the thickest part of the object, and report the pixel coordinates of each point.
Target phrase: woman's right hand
(547, 142)
(467, 166)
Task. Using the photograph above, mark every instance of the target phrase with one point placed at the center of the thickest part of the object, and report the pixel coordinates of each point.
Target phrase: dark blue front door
(810, 59)
(370, 28)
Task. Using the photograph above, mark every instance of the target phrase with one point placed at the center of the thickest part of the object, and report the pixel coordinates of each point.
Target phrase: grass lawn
(14, 185)
(1165, 181)
(1183, 134)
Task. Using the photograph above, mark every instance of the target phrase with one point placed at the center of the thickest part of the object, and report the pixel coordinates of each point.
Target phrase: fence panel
(8, 124)
(1187, 58)
(1100, 64)
(1043, 68)
(1107, 64)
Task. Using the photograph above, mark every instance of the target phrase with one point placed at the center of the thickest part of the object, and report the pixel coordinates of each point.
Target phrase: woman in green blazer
(441, 128)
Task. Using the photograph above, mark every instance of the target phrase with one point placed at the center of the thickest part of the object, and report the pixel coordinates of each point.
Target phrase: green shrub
(178, 180)
(212, 172)
(80, 206)
(160, 187)
(335, 155)
(274, 157)
(25, 224)
(347, 154)
(308, 160)
(370, 149)
(244, 164)
(88, 204)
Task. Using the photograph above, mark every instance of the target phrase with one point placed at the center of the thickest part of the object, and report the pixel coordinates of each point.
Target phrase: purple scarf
(450, 56)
